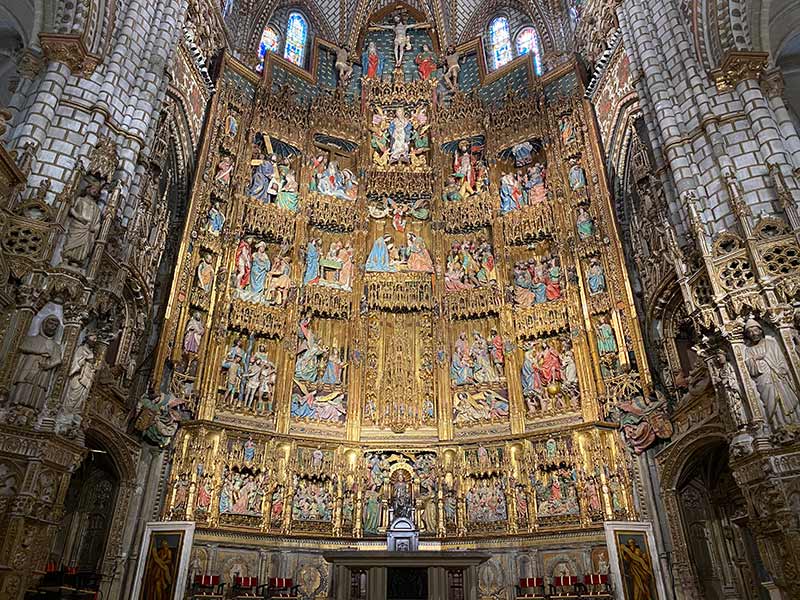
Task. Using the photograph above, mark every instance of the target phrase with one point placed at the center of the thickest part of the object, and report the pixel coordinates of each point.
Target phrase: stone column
(40, 465)
(767, 479)
(376, 583)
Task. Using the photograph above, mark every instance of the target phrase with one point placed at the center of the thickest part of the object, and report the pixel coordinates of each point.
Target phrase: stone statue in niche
(453, 68)
(769, 370)
(343, 67)
(401, 497)
(81, 376)
(372, 62)
(194, 333)
(39, 356)
(83, 225)
(402, 41)
(727, 386)
(426, 62)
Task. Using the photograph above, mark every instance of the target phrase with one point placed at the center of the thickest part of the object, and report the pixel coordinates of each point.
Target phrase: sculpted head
(753, 331)
(50, 326)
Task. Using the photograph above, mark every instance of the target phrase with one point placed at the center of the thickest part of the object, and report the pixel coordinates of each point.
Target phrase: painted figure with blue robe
(312, 263)
(378, 259)
(577, 178)
(309, 353)
(606, 340)
(259, 269)
(596, 278)
(263, 174)
(216, 219)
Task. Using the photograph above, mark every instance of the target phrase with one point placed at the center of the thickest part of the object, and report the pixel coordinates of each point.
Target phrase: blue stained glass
(500, 42)
(528, 41)
(296, 33)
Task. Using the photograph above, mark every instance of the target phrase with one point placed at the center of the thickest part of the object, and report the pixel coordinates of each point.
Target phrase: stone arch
(264, 12)
(478, 22)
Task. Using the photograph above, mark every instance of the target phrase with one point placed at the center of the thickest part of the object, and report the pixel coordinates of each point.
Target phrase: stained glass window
(269, 43)
(296, 33)
(528, 41)
(500, 42)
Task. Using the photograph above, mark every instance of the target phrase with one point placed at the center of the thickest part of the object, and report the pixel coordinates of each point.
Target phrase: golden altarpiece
(397, 291)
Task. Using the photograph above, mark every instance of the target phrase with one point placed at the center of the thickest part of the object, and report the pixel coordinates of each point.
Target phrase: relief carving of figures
(242, 492)
(427, 62)
(39, 355)
(205, 273)
(400, 139)
(596, 277)
(273, 178)
(577, 176)
(482, 406)
(469, 174)
(81, 377)
(643, 421)
(331, 180)
(343, 67)
(549, 376)
(83, 225)
(386, 257)
(486, 502)
(584, 223)
(193, 334)
(333, 269)
(470, 264)
(224, 170)
(474, 363)
(524, 187)
(768, 368)
(537, 280)
(158, 417)
(312, 501)
(727, 385)
(259, 279)
(216, 219)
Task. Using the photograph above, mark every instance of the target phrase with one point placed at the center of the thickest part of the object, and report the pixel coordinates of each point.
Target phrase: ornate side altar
(397, 289)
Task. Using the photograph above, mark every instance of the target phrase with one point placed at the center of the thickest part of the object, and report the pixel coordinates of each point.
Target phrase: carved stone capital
(71, 50)
(738, 66)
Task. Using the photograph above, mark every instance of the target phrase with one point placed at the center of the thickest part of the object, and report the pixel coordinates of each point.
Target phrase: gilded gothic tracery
(410, 265)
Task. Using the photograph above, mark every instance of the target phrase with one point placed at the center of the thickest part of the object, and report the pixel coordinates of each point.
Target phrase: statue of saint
(402, 41)
(767, 366)
(81, 376)
(452, 68)
(83, 226)
(343, 67)
(39, 356)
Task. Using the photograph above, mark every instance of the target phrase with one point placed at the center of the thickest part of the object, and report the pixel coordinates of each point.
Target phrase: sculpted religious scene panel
(316, 287)
(401, 309)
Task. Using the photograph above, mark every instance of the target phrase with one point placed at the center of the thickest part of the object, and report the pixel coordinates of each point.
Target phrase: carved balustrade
(476, 302)
(257, 318)
(268, 219)
(472, 213)
(388, 291)
(528, 224)
(326, 301)
(541, 319)
(331, 212)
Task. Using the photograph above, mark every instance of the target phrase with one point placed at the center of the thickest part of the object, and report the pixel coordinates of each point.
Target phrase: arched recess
(96, 505)
(531, 13)
(714, 549)
(266, 12)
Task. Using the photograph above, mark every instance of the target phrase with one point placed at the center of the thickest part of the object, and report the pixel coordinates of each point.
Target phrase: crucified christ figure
(401, 40)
